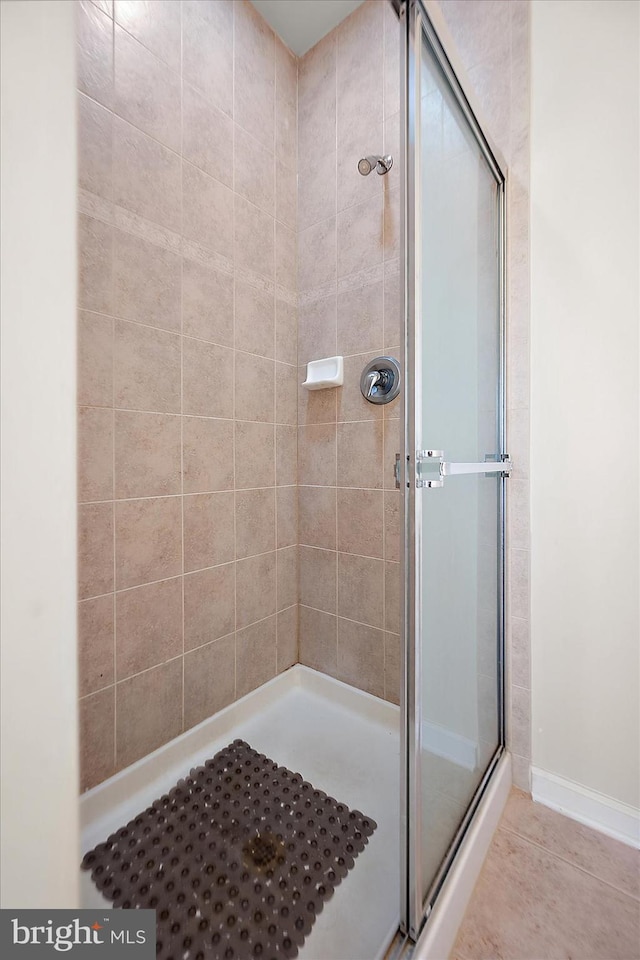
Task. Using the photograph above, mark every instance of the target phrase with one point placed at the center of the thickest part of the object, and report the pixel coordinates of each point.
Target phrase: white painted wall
(584, 393)
(39, 805)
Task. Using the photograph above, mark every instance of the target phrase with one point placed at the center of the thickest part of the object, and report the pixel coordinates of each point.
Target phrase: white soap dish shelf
(325, 373)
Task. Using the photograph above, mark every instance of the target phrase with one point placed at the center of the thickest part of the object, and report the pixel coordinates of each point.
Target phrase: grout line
(571, 863)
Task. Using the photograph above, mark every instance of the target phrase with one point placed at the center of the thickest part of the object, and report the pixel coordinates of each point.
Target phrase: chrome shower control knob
(380, 380)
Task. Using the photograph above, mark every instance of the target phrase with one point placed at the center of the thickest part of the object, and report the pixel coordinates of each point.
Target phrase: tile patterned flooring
(552, 889)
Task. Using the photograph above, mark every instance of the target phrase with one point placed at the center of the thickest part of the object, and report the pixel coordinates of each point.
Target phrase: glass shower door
(455, 465)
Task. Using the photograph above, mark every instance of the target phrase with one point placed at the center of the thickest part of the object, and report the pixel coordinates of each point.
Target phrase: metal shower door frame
(417, 29)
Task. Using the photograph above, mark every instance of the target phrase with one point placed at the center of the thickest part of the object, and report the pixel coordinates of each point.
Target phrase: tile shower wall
(187, 355)
(492, 39)
(348, 274)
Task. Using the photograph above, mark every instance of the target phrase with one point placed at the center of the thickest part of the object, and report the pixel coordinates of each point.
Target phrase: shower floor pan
(342, 740)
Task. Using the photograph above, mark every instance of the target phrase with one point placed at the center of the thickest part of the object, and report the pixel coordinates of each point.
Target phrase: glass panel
(458, 354)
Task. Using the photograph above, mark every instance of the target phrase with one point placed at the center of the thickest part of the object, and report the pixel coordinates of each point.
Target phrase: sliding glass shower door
(455, 465)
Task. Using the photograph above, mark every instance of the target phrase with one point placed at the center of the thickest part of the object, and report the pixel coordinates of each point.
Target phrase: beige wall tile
(287, 638)
(520, 652)
(96, 644)
(207, 455)
(317, 255)
(519, 723)
(392, 597)
(207, 379)
(95, 155)
(287, 577)
(393, 443)
(286, 332)
(392, 308)
(286, 104)
(360, 318)
(361, 656)
(254, 171)
(317, 321)
(317, 507)
(146, 368)
(97, 747)
(209, 680)
(146, 176)
(207, 303)
(209, 605)
(360, 449)
(148, 626)
(287, 516)
(255, 589)
(392, 525)
(254, 319)
(255, 655)
(519, 583)
(147, 92)
(254, 73)
(207, 136)
(360, 522)
(148, 540)
(95, 549)
(286, 393)
(207, 210)
(286, 258)
(95, 454)
(318, 573)
(147, 455)
(360, 237)
(317, 191)
(95, 265)
(207, 50)
(147, 284)
(255, 522)
(286, 454)
(319, 640)
(361, 589)
(317, 454)
(138, 732)
(315, 406)
(254, 244)
(94, 53)
(254, 388)
(317, 97)
(209, 537)
(95, 360)
(286, 191)
(156, 25)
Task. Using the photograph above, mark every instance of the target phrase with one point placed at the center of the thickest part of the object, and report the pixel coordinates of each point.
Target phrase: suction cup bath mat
(237, 859)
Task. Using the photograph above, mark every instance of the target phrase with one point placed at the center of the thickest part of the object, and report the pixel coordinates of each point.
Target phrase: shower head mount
(381, 165)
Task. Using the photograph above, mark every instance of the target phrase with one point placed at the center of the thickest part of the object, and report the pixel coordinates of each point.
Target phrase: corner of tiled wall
(188, 365)
(348, 267)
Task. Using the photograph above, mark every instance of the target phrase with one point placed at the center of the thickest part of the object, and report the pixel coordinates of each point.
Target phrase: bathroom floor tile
(531, 903)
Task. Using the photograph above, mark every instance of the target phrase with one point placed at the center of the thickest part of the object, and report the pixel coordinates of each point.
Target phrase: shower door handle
(442, 468)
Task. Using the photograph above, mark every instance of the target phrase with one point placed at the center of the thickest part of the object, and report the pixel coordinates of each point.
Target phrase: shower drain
(237, 859)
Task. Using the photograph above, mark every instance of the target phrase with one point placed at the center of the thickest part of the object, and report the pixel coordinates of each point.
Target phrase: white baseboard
(439, 935)
(451, 746)
(609, 816)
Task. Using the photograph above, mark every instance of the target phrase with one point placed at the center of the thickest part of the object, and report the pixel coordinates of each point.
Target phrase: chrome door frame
(414, 24)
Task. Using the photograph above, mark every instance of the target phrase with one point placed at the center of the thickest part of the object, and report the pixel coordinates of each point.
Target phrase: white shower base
(343, 741)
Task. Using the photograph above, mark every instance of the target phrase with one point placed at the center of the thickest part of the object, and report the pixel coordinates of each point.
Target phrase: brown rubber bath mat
(237, 859)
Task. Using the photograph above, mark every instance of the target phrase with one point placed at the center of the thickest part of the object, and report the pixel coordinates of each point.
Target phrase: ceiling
(301, 23)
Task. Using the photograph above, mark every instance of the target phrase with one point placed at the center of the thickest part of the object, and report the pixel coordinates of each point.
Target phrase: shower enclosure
(455, 465)
(320, 574)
